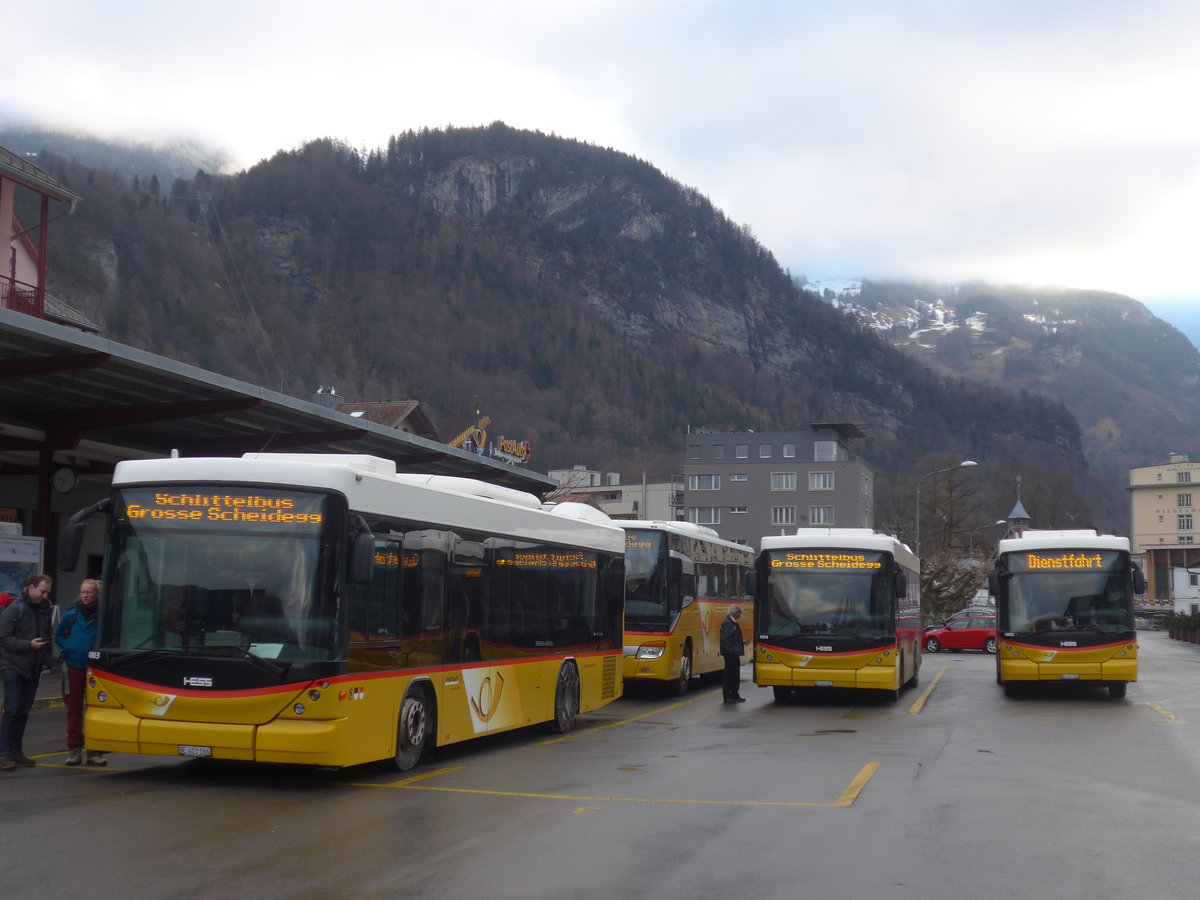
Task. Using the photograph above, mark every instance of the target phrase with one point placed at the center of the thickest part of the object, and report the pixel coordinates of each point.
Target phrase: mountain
(578, 296)
(164, 161)
(1129, 378)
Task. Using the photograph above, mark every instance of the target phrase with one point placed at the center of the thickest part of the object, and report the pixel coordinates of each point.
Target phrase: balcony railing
(22, 297)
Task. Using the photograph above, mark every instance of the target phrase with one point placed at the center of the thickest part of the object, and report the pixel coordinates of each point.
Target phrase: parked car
(961, 614)
(965, 633)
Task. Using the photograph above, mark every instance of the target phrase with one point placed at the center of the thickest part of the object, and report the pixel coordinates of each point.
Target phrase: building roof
(21, 170)
(101, 401)
(393, 414)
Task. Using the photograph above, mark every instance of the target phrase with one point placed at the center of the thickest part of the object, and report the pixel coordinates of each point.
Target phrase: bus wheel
(680, 685)
(566, 699)
(1117, 689)
(414, 728)
(784, 694)
(990, 646)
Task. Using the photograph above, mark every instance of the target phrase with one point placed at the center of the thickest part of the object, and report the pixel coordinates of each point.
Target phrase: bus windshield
(218, 571)
(1067, 590)
(829, 592)
(647, 607)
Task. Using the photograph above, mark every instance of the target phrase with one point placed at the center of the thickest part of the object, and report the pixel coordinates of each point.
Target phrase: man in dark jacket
(25, 649)
(732, 648)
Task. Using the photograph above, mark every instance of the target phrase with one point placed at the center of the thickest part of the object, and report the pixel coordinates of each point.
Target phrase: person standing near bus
(25, 649)
(75, 636)
(733, 645)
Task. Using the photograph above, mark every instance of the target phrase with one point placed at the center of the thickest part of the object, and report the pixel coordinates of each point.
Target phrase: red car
(967, 633)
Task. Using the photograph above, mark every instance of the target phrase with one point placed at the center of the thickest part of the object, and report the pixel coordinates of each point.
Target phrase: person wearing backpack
(25, 649)
(75, 636)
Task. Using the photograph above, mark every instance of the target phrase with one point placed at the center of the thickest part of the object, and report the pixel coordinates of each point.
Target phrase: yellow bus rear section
(342, 721)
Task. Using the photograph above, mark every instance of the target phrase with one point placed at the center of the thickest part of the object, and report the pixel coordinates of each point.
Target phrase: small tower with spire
(1018, 519)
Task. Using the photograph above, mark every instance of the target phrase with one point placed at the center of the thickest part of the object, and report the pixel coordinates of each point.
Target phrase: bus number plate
(197, 752)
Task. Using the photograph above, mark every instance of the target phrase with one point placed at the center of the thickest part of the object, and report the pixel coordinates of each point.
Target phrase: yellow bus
(1064, 607)
(680, 581)
(325, 610)
(836, 608)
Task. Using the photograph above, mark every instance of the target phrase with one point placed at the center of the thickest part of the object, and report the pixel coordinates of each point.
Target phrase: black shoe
(7, 763)
(731, 699)
(739, 699)
(22, 760)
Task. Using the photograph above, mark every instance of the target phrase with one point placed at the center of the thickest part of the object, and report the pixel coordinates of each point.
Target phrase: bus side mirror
(750, 583)
(1139, 581)
(674, 570)
(362, 555)
(901, 583)
(71, 540)
(993, 582)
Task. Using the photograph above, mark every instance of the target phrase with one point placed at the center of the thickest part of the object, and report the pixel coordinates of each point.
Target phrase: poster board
(20, 557)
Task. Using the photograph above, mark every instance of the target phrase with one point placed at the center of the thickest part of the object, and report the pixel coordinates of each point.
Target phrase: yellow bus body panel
(340, 721)
(700, 623)
(875, 669)
(1026, 662)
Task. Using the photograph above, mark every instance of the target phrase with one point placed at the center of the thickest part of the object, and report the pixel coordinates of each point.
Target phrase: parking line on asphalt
(920, 704)
(846, 798)
(1169, 715)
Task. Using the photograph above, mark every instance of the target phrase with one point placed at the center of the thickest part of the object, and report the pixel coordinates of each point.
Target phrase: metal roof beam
(236, 445)
(32, 366)
(95, 419)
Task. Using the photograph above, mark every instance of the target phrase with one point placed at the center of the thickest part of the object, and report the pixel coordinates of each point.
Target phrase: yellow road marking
(847, 798)
(920, 704)
(1169, 715)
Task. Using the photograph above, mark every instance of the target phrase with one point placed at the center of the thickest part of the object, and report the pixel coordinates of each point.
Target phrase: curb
(49, 703)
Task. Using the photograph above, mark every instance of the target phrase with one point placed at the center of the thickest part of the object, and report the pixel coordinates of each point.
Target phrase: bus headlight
(102, 696)
(298, 709)
(314, 695)
(651, 651)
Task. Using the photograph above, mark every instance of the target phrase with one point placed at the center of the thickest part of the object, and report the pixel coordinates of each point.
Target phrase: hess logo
(197, 681)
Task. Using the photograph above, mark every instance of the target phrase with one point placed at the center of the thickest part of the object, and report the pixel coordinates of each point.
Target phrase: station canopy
(76, 399)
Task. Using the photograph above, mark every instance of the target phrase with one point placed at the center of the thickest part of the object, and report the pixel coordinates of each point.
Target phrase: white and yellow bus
(680, 581)
(325, 610)
(1064, 607)
(836, 608)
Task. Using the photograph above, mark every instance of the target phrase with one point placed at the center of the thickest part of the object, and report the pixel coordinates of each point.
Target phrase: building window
(1184, 500)
(1193, 580)
(718, 451)
(825, 451)
(704, 482)
(739, 476)
(789, 451)
(705, 515)
(783, 515)
(1185, 522)
(820, 515)
(820, 481)
(737, 510)
(693, 451)
(1184, 477)
(783, 481)
(741, 451)
(866, 486)
(1185, 539)
(764, 451)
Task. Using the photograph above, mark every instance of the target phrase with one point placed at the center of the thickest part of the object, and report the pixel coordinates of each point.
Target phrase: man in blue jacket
(733, 645)
(75, 636)
(24, 651)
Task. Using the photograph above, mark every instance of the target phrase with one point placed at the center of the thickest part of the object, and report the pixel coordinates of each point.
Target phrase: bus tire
(784, 694)
(566, 699)
(1010, 689)
(1117, 690)
(414, 728)
(680, 685)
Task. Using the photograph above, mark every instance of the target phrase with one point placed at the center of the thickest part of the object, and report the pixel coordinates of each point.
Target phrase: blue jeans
(19, 694)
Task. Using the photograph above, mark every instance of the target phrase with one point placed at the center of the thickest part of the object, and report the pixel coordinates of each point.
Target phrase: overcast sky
(1028, 141)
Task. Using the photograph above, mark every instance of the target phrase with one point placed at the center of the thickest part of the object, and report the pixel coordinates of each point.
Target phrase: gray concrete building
(747, 485)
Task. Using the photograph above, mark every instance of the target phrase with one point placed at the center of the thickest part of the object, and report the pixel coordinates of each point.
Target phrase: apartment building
(747, 485)
(1163, 527)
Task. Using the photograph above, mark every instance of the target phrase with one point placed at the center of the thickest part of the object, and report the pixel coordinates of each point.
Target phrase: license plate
(197, 752)
(823, 684)
(1070, 676)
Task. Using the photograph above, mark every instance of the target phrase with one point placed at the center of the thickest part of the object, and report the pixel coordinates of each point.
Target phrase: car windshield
(1081, 590)
(829, 592)
(217, 571)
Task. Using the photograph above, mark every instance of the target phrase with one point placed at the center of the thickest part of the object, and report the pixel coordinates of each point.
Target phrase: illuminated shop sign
(827, 561)
(224, 508)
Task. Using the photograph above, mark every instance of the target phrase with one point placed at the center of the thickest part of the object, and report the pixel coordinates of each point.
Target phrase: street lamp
(971, 534)
(965, 464)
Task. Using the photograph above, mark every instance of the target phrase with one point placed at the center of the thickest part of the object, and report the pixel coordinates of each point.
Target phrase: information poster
(20, 557)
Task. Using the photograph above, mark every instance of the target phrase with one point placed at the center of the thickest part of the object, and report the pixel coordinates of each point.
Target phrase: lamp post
(965, 464)
(972, 532)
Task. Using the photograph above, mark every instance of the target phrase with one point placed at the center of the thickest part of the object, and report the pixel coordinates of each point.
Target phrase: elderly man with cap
(732, 648)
